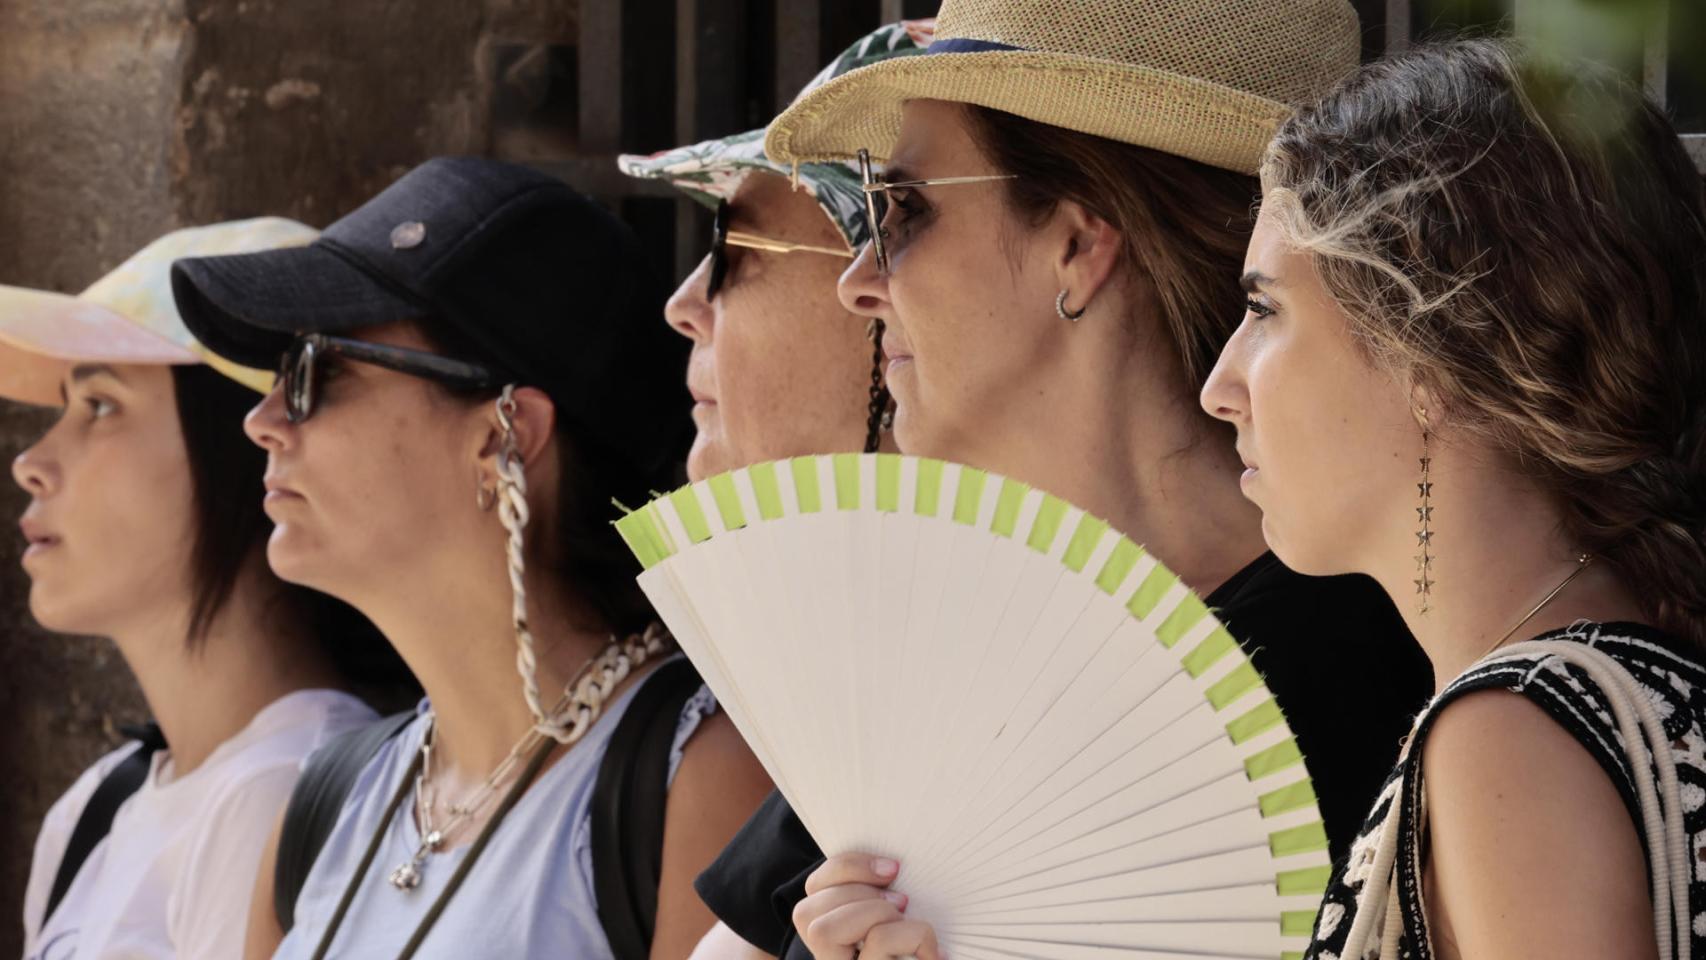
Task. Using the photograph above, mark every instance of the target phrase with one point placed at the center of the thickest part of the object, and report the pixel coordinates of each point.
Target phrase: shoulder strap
(628, 804)
(316, 801)
(96, 820)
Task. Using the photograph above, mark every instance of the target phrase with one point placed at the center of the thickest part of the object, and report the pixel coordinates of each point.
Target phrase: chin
(58, 614)
(708, 458)
(1312, 557)
(291, 559)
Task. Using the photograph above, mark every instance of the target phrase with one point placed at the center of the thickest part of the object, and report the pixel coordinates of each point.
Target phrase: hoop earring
(1424, 516)
(1060, 308)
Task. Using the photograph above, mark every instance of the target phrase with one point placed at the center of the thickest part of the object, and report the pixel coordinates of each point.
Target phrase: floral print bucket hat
(713, 171)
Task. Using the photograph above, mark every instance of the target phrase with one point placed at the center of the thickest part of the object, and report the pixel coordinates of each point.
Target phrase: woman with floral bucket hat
(779, 368)
(1056, 242)
(145, 526)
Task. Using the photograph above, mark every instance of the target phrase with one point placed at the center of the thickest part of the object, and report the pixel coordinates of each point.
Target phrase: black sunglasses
(722, 238)
(297, 371)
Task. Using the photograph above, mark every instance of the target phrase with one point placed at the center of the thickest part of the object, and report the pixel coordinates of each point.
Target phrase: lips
(35, 531)
(895, 346)
(37, 536)
(277, 489)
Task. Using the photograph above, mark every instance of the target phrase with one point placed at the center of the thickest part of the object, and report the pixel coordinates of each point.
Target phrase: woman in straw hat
(145, 525)
(473, 369)
(779, 368)
(1519, 458)
(1065, 205)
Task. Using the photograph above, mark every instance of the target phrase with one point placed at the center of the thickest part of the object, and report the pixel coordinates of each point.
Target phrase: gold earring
(1424, 514)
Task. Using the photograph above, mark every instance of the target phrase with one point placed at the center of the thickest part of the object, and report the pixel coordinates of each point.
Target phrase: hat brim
(248, 307)
(43, 333)
(1186, 116)
(709, 175)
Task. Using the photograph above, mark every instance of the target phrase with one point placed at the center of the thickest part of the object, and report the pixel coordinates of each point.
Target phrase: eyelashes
(1257, 308)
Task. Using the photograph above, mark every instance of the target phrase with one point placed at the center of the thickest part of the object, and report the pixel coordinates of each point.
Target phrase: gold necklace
(1582, 563)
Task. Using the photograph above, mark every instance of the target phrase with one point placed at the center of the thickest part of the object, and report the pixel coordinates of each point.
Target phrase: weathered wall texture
(123, 119)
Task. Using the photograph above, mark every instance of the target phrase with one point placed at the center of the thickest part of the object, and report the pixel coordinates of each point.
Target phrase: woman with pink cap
(144, 526)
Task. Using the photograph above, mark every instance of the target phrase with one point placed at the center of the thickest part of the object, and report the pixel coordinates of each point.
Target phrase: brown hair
(1526, 239)
(1184, 224)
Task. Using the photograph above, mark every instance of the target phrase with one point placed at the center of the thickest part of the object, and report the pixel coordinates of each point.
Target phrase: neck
(1163, 476)
(1498, 553)
(464, 655)
(204, 695)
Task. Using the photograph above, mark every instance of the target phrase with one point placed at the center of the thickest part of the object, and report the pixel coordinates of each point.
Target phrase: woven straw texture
(1208, 80)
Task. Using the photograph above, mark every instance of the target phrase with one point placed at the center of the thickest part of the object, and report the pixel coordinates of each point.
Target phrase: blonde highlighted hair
(1526, 238)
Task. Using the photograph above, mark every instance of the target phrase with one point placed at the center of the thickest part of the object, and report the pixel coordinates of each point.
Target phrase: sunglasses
(298, 371)
(722, 238)
(877, 200)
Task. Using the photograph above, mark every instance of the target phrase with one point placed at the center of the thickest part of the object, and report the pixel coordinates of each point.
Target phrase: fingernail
(898, 899)
(884, 867)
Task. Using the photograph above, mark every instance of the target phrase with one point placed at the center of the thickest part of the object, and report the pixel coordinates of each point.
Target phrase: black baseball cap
(536, 275)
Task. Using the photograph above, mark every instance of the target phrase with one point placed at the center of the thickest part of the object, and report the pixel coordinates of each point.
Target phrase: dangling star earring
(1424, 515)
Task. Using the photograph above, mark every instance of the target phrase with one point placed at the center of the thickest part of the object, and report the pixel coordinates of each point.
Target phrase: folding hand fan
(1065, 751)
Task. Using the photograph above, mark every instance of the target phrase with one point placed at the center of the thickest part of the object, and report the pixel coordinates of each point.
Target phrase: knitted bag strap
(1646, 748)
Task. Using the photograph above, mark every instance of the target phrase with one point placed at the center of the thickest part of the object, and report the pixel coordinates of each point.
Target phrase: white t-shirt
(174, 877)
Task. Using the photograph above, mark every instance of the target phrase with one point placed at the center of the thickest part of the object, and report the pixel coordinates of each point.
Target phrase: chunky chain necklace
(582, 702)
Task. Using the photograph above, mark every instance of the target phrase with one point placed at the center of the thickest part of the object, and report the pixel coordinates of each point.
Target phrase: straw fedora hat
(1208, 80)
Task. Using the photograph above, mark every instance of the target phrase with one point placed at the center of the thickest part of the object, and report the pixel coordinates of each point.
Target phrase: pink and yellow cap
(127, 316)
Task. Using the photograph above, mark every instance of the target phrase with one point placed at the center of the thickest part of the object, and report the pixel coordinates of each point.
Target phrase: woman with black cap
(475, 354)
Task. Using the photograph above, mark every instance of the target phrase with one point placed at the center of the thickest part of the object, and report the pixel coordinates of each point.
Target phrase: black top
(1333, 651)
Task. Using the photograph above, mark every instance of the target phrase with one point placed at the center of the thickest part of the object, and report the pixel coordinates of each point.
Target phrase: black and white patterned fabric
(1666, 672)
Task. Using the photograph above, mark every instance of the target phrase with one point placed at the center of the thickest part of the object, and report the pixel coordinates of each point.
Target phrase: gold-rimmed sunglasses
(723, 238)
(876, 199)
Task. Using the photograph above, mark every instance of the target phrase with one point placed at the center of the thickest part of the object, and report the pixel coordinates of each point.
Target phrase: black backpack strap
(628, 803)
(316, 801)
(96, 820)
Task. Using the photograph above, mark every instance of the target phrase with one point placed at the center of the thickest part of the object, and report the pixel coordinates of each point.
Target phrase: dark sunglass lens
(719, 252)
(299, 383)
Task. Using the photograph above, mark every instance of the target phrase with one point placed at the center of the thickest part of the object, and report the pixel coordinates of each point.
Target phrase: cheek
(370, 477)
(129, 520)
(1329, 480)
(977, 324)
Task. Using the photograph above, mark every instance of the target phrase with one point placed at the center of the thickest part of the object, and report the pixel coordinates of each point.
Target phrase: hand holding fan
(1065, 751)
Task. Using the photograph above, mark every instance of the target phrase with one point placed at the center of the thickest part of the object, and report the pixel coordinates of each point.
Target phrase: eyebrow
(84, 371)
(1253, 280)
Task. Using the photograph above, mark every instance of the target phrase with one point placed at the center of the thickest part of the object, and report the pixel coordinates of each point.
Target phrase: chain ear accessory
(569, 719)
(1060, 308)
(513, 514)
(1424, 517)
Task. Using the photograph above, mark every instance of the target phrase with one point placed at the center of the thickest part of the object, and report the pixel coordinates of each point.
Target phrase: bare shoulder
(718, 768)
(1531, 849)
